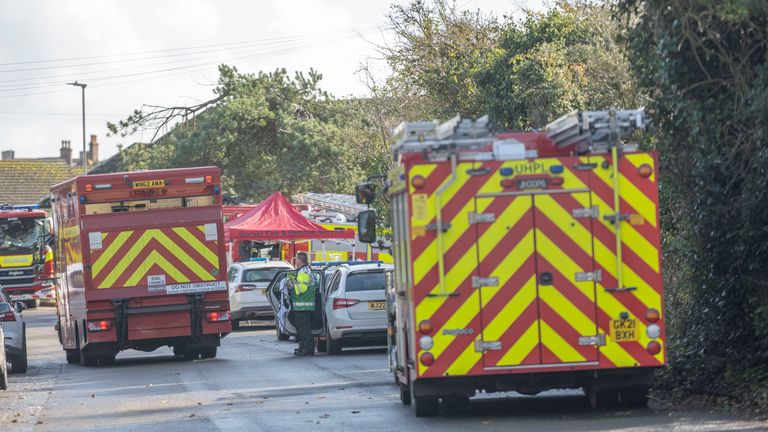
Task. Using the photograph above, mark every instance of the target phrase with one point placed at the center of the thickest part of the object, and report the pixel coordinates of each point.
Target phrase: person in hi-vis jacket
(303, 292)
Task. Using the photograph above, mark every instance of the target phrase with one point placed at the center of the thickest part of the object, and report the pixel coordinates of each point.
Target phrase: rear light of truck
(245, 287)
(101, 325)
(653, 347)
(341, 303)
(217, 316)
(652, 315)
(427, 359)
(425, 327)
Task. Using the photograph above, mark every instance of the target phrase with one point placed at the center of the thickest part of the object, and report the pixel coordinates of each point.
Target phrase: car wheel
(424, 406)
(32, 304)
(19, 362)
(3, 378)
(334, 346)
(208, 352)
(322, 344)
(280, 335)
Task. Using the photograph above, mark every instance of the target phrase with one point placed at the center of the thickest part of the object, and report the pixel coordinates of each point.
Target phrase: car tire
(334, 346)
(235, 325)
(32, 304)
(19, 363)
(73, 356)
(322, 345)
(3, 378)
(424, 406)
(280, 335)
(208, 352)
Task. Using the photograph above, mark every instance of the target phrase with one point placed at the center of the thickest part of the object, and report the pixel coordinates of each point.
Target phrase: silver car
(12, 323)
(248, 283)
(354, 305)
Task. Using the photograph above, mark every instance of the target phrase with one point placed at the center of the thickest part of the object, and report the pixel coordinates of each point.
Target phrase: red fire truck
(23, 230)
(524, 261)
(142, 264)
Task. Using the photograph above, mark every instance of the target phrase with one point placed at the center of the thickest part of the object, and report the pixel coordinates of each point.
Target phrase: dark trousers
(303, 320)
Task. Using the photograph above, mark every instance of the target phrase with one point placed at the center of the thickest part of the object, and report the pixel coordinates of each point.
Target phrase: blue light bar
(20, 207)
(336, 263)
(259, 259)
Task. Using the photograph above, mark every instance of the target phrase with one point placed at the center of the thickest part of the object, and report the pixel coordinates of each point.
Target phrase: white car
(248, 283)
(3, 367)
(12, 323)
(354, 305)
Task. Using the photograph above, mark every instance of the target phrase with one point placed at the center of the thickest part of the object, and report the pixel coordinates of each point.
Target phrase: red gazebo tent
(275, 219)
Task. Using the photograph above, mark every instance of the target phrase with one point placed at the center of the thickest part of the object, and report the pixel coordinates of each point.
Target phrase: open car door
(280, 303)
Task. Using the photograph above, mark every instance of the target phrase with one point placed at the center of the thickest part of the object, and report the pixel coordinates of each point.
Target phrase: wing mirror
(365, 193)
(20, 306)
(366, 226)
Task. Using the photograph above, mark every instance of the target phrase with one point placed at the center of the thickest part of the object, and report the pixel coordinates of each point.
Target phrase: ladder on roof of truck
(596, 129)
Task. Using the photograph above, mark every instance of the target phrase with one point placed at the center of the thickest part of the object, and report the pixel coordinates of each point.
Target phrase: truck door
(536, 283)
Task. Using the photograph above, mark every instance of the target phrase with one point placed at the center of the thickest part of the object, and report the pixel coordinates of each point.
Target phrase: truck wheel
(634, 397)
(456, 405)
(280, 335)
(189, 355)
(107, 360)
(19, 361)
(208, 352)
(3, 378)
(424, 406)
(73, 356)
(405, 394)
(88, 360)
(601, 399)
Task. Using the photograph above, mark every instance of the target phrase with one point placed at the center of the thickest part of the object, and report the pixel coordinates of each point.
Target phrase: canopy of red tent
(275, 219)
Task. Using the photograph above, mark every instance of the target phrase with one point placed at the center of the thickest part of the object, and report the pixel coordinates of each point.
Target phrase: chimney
(93, 150)
(65, 152)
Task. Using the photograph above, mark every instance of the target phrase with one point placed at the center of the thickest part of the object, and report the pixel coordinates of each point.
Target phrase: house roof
(29, 181)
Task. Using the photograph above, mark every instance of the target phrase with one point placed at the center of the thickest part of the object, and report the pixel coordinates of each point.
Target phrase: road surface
(256, 384)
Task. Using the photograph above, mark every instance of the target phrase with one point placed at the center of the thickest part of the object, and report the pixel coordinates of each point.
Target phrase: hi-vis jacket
(303, 293)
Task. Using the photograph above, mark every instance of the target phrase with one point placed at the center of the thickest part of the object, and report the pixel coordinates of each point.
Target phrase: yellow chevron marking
(631, 194)
(583, 324)
(559, 347)
(140, 244)
(637, 159)
(155, 258)
(459, 320)
(197, 245)
(465, 361)
(522, 347)
(110, 251)
(496, 326)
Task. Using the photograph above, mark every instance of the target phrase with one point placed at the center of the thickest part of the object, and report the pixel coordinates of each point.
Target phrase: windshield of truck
(20, 234)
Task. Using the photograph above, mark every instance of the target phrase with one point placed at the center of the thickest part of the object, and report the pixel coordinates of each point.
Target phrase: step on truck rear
(525, 261)
(141, 263)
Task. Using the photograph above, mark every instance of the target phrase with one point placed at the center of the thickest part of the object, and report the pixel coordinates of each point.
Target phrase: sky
(134, 52)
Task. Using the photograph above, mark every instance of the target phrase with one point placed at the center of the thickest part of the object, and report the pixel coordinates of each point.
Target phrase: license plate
(624, 330)
(532, 183)
(148, 184)
(377, 305)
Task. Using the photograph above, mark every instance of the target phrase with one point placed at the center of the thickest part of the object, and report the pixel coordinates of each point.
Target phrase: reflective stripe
(305, 304)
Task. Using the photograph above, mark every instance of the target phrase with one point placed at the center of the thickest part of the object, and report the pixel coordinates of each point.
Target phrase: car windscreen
(365, 281)
(260, 275)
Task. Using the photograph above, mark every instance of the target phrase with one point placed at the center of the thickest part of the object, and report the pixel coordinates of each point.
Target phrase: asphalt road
(257, 385)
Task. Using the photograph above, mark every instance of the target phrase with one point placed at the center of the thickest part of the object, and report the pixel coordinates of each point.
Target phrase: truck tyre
(456, 405)
(424, 406)
(235, 325)
(107, 360)
(334, 347)
(189, 355)
(3, 378)
(634, 397)
(73, 356)
(405, 394)
(208, 352)
(602, 399)
(19, 361)
(280, 335)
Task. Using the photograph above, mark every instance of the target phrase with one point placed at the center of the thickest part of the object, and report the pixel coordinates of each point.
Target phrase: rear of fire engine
(26, 262)
(525, 261)
(141, 264)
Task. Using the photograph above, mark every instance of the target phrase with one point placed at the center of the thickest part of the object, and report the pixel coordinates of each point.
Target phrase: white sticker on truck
(94, 239)
(211, 232)
(197, 287)
(156, 280)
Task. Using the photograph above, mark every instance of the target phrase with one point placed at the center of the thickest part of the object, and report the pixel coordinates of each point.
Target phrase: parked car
(248, 283)
(12, 323)
(354, 305)
(3, 365)
(285, 327)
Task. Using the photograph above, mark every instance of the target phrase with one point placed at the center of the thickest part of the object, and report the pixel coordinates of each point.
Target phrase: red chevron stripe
(548, 355)
(567, 332)
(565, 286)
(154, 245)
(116, 257)
(193, 252)
(512, 335)
(645, 185)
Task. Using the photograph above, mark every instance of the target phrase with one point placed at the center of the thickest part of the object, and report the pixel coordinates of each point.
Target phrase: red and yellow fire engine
(141, 263)
(524, 261)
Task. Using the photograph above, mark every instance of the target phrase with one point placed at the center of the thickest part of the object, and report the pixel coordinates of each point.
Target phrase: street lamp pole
(85, 154)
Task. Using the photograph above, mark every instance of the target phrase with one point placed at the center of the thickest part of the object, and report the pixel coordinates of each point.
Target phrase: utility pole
(85, 153)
